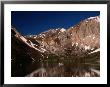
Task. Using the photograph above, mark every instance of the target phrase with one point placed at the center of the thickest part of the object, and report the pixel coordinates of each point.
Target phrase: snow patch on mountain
(95, 51)
(32, 45)
(23, 38)
(93, 37)
(96, 18)
(91, 17)
(62, 30)
(87, 47)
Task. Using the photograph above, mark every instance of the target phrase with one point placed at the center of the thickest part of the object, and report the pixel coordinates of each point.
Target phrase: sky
(35, 22)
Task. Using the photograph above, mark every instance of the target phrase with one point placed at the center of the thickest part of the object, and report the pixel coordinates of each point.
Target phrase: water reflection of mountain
(61, 70)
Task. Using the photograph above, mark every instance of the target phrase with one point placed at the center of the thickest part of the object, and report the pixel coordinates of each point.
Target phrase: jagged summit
(84, 35)
(97, 18)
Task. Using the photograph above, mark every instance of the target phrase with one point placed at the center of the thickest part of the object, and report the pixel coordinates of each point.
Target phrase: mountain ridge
(79, 41)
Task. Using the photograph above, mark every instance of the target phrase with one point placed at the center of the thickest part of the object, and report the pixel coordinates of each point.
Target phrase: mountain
(84, 36)
(22, 51)
(80, 43)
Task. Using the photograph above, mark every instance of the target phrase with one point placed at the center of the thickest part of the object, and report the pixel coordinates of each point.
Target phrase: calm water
(52, 69)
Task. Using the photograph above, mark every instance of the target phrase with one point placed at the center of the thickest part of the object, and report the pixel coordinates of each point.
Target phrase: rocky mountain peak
(84, 35)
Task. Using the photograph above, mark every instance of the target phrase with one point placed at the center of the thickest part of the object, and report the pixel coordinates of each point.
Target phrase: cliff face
(22, 53)
(85, 35)
(81, 41)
